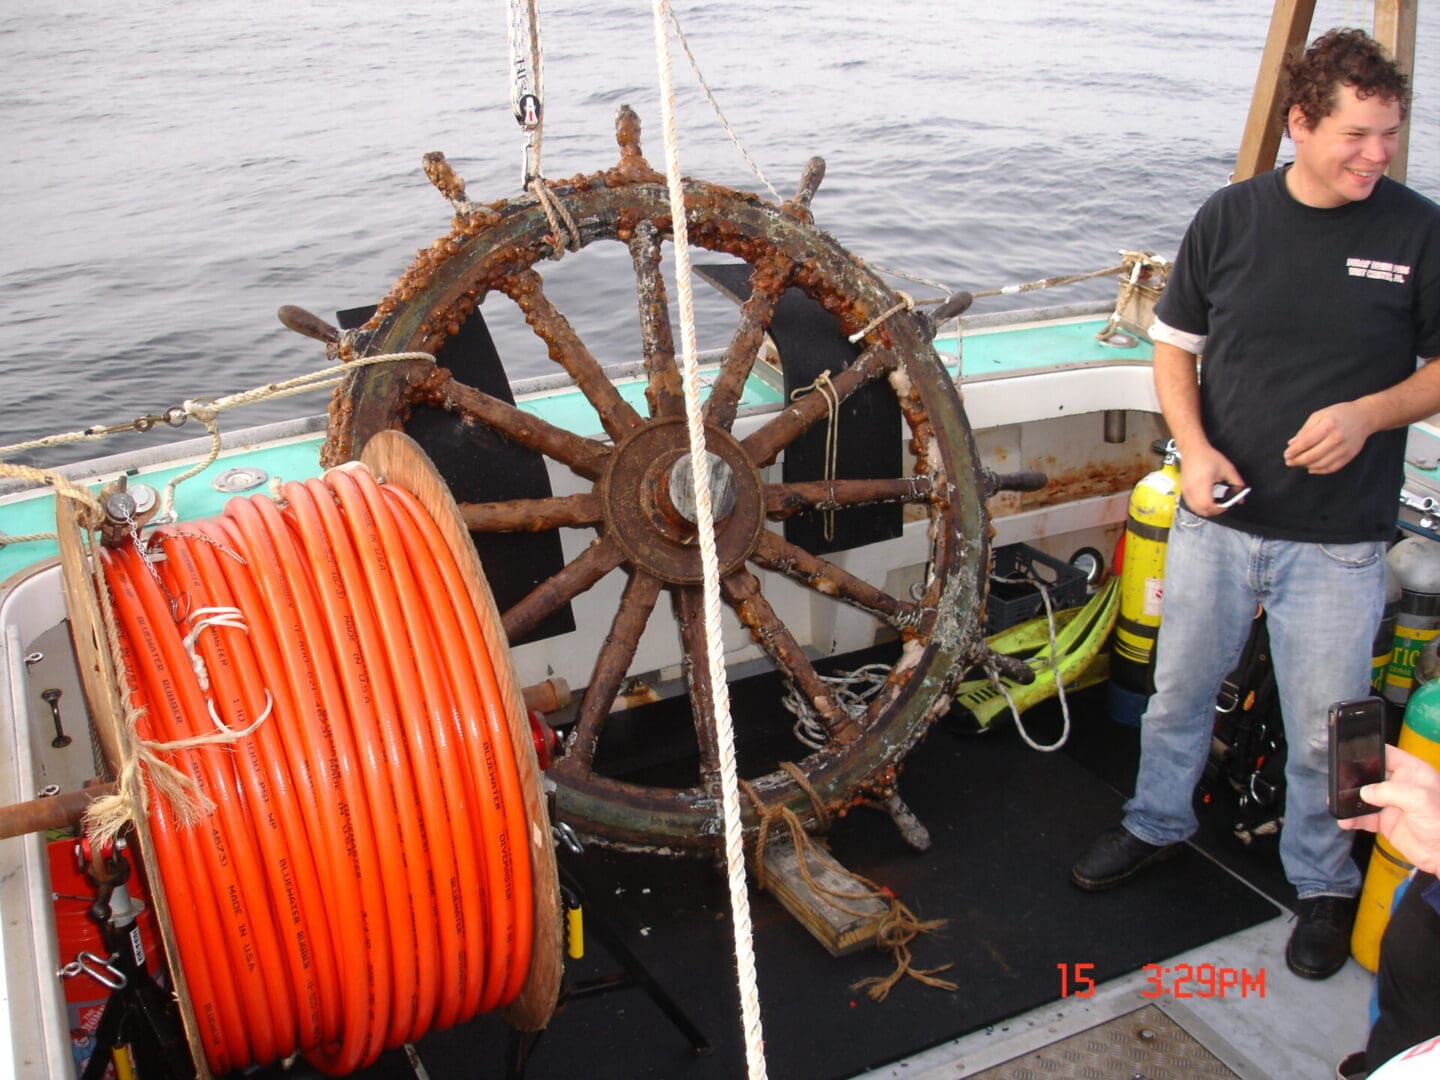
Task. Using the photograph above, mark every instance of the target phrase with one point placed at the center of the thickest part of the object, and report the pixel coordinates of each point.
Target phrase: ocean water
(172, 173)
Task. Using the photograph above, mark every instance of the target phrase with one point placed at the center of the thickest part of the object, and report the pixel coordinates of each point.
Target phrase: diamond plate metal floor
(1141, 1045)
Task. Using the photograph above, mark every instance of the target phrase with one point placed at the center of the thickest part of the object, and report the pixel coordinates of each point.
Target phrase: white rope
(851, 691)
(208, 413)
(177, 415)
(715, 105)
(203, 409)
(946, 289)
(225, 729)
(527, 99)
(705, 524)
(999, 683)
(232, 617)
(556, 214)
(1009, 290)
(905, 303)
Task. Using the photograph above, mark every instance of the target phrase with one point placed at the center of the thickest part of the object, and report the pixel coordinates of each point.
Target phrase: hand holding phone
(1227, 495)
(1357, 754)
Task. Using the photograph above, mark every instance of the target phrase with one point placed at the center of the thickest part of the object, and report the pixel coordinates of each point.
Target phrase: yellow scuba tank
(1142, 575)
(1420, 735)
(1416, 562)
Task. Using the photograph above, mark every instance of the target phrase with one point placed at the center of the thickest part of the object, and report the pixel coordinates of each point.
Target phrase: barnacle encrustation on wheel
(642, 526)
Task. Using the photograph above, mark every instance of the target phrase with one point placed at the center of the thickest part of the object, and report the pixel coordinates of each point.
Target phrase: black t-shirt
(1303, 308)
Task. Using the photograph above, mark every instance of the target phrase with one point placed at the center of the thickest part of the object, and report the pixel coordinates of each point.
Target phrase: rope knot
(555, 213)
(200, 618)
(202, 409)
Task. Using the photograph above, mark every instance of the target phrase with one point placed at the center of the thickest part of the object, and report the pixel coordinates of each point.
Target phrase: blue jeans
(1323, 604)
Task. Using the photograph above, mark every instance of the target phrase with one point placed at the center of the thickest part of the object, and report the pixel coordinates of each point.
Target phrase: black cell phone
(1357, 754)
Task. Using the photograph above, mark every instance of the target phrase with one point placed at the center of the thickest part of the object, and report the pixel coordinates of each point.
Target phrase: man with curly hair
(1312, 292)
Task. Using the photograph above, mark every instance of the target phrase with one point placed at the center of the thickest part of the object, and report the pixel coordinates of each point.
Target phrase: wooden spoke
(566, 349)
(742, 591)
(585, 457)
(764, 445)
(636, 604)
(534, 515)
(776, 553)
(689, 609)
(767, 284)
(663, 390)
(809, 184)
(787, 500)
(574, 578)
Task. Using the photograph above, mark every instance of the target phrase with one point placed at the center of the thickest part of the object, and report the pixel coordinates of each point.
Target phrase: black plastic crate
(1014, 594)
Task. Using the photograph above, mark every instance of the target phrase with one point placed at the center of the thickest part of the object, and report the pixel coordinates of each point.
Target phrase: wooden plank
(1289, 27)
(1395, 29)
(101, 681)
(839, 930)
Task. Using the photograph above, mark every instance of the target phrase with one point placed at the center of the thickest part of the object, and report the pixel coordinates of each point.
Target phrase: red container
(85, 996)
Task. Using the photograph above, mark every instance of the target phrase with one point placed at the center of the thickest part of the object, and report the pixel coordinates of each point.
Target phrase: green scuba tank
(1384, 647)
(1420, 735)
(1416, 563)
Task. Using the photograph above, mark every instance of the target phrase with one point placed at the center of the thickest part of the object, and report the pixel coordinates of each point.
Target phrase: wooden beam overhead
(1395, 29)
(1289, 29)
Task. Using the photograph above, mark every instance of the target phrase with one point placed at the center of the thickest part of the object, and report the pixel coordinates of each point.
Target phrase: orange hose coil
(364, 877)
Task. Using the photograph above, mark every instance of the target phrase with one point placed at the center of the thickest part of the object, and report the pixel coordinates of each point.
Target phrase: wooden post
(1395, 29)
(102, 685)
(1289, 27)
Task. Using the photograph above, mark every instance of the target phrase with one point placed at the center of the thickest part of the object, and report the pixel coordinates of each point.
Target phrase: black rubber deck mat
(1112, 752)
(1006, 824)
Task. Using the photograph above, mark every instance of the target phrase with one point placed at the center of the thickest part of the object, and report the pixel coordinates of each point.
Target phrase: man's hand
(1329, 439)
(1409, 801)
(1201, 468)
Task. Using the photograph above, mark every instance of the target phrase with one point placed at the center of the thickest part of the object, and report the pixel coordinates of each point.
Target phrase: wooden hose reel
(477, 749)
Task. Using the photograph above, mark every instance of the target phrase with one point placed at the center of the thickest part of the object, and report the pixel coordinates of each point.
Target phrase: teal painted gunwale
(987, 353)
(34, 512)
(1015, 350)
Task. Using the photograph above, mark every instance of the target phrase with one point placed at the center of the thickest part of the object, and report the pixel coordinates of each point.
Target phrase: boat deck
(1000, 876)
(1005, 822)
(1298, 1029)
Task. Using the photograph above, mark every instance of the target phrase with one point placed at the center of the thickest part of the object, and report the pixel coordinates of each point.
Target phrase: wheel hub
(680, 488)
(649, 502)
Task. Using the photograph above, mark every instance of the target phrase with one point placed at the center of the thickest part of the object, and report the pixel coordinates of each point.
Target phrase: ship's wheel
(635, 505)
